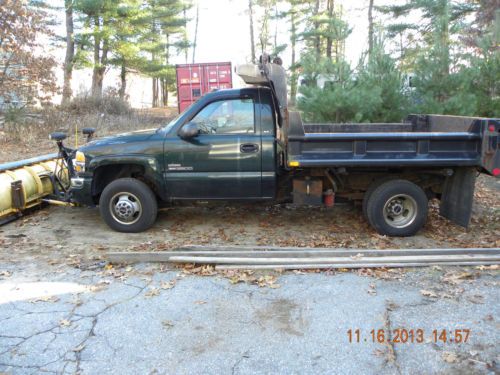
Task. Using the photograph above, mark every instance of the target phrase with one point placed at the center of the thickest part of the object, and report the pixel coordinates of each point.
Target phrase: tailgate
(490, 153)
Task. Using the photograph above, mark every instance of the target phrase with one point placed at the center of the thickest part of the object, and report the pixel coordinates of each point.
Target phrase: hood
(137, 142)
(123, 138)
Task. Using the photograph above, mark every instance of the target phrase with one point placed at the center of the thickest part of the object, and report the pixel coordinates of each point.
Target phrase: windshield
(169, 126)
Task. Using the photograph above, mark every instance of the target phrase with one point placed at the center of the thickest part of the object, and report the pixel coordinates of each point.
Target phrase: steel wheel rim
(400, 211)
(125, 208)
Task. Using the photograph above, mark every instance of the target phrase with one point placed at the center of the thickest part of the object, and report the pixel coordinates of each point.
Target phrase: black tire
(397, 208)
(370, 191)
(128, 205)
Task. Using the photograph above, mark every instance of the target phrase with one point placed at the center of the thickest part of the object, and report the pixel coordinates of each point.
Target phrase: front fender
(150, 165)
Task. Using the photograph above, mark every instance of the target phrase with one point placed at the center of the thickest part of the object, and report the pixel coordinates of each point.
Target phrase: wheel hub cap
(125, 208)
(400, 211)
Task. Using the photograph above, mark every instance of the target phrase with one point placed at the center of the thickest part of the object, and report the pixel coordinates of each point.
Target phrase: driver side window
(233, 116)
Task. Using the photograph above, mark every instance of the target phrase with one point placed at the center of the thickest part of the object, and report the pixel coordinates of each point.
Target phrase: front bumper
(81, 191)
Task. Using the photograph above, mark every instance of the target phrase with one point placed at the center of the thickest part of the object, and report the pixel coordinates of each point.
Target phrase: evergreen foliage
(452, 62)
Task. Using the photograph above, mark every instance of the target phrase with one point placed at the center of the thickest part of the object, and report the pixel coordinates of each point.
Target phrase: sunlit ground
(11, 292)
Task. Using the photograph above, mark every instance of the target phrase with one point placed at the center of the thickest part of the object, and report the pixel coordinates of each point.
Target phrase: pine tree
(166, 24)
(67, 92)
(97, 17)
(435, 67)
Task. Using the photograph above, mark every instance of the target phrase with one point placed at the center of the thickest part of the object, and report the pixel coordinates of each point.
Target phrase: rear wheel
(128, 205)
(397, 208)
(370, 190)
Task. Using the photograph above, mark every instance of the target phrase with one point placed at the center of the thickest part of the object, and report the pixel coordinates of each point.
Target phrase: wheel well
(108, 173)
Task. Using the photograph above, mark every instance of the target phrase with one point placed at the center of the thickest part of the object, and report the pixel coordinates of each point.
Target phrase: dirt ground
(66, 234)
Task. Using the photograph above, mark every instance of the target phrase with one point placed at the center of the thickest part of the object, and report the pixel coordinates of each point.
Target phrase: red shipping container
(195, 80)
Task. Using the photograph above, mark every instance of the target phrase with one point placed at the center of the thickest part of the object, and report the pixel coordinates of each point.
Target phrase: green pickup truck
(244, 145)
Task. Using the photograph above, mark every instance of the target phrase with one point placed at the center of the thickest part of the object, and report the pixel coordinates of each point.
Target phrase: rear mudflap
(458, 195)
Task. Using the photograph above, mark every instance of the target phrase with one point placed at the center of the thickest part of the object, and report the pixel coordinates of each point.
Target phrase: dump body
(195, 80)
(422, 141)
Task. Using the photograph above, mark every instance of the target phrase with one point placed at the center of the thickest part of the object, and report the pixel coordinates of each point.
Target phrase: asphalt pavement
(146, 320)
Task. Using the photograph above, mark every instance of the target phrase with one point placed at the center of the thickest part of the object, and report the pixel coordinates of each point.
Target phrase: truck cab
(223, 147)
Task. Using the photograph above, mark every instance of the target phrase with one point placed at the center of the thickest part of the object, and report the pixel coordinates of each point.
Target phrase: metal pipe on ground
(257, 252)
(297, 258)
(340, 265)
(334, 260)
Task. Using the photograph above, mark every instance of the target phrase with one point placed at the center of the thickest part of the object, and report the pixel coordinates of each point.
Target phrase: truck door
(224, 160)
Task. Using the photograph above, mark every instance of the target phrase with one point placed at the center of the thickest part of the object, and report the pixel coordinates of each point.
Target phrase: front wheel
(128, 205)
(397, 208)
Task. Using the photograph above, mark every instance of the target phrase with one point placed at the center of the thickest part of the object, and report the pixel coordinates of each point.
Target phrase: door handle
(249, 147)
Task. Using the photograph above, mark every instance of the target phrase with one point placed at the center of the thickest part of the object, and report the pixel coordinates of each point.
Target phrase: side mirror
(189, 130)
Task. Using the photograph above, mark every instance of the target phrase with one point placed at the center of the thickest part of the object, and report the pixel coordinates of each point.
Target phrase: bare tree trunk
(370, 28)
(100, 62)
(70, 53)
(186, 48)
(164, 93)
(164, 81)
(317, 39)
(329, 39)
(264, 31)
(293, 67)
(123, 79)
(252, 37)
(97, 59)
(155, 92)
(196, 31)
(275, 27)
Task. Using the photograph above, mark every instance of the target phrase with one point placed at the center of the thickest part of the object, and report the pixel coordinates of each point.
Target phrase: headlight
(80, 157)
(79, 161)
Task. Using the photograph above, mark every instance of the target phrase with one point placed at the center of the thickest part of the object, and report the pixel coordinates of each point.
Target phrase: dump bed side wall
(433, 141)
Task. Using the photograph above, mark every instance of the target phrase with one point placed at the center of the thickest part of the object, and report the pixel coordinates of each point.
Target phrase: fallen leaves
(249, 277)
(168, 284)
(476, 298)
(428, 293)
(79, 348)
(372, 290)
(449, 357)
(268, 281)
(167, 324)
(64, 323)
(51, 299)
(456, 278)
(152, 292)
(205, 270)
(493, 267)
(100, 286)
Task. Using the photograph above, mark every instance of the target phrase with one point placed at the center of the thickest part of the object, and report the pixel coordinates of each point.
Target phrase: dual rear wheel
(396, 208)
